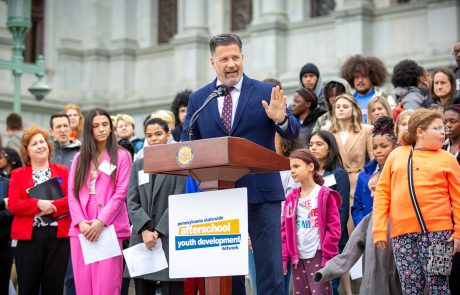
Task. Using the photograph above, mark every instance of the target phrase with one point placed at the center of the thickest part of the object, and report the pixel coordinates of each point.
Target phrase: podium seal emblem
(184, 155)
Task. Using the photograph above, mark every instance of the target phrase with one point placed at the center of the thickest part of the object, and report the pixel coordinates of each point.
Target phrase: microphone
(221, 90)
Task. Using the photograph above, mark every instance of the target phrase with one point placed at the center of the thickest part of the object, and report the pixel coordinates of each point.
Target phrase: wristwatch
(284, 121)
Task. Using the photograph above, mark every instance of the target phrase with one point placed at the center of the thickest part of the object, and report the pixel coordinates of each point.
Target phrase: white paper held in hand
(140, 260)
(105, 247)
(356, 271)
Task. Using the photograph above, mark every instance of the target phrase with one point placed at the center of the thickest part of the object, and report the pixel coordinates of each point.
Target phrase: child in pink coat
(310, 227)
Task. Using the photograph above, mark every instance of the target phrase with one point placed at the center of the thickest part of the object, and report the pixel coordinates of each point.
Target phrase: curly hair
(181, 100)
(384, 126)
(407, 73)
(369, 66)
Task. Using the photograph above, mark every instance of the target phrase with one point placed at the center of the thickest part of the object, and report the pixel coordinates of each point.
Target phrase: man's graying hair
(224, 40)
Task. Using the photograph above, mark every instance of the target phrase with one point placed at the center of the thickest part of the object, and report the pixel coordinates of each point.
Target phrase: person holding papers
(98, 185)
(41, 224)
(148, 210)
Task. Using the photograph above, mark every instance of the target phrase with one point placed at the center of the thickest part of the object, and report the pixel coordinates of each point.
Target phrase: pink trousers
(99, 278)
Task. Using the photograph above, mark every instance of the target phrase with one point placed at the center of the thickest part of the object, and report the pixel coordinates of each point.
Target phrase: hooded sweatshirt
(325, 119)
(313, 69)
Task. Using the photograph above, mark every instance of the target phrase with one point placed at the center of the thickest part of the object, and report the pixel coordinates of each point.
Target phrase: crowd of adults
(356, 140)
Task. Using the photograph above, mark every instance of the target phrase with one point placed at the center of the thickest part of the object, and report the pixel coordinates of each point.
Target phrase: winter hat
(309, 68)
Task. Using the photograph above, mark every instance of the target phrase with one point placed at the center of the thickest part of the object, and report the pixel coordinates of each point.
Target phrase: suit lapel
(214, 109)
(29, 181)
(245, 95)
(159, 178)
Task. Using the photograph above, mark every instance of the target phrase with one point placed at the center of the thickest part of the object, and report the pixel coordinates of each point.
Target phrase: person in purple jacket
(310, 229)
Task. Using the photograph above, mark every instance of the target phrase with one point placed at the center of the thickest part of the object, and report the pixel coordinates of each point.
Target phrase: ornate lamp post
(19, 24)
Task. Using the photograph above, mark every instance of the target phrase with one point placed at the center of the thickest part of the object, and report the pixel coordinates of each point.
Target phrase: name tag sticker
(107, 168)
(329, 180)
(143, 177)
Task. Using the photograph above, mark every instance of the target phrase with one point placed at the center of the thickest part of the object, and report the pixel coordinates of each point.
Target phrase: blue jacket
(250, 122)
(342, 186)
(363, 203)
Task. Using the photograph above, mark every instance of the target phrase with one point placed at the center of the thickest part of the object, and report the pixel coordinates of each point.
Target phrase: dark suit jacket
(250, 122)
(148, 209)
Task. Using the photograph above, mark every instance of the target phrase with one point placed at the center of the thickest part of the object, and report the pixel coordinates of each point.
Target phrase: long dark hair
(333, 157)
(89, 152)
(12, 157)
(308, 158)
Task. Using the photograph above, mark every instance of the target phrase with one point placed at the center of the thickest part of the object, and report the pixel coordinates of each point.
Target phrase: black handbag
(440, 252)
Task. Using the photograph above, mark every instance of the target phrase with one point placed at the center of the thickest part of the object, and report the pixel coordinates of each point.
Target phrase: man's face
(182, 113)
(456, 53)
(309, 81)
(61, 130)
(362, 84)
(227, 61)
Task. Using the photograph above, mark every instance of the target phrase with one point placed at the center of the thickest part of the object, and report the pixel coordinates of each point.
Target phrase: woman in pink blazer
(98, 185)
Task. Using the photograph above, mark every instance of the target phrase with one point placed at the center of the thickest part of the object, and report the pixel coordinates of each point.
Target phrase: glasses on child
(441, 128)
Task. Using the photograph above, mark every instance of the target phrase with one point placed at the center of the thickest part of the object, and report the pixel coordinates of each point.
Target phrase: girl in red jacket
(310, 227)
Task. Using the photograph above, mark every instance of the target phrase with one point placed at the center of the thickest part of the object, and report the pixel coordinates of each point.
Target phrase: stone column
(269, 11)
(267, 48)
(194, 17)
(191, 57)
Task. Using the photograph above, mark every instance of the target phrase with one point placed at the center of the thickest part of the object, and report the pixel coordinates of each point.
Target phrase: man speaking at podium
(255, 111)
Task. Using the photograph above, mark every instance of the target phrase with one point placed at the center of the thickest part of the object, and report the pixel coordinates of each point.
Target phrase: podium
(217, 163)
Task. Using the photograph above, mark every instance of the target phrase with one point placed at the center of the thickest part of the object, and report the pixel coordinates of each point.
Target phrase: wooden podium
(217, 163)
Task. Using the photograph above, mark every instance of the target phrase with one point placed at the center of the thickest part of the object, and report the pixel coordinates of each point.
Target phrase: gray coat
(148, 209)
(63, 155)
(379, 269)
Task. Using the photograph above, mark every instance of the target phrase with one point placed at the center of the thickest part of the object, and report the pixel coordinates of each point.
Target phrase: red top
(25, 208)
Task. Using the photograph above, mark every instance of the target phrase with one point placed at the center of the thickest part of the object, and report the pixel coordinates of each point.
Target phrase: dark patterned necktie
(227, 112)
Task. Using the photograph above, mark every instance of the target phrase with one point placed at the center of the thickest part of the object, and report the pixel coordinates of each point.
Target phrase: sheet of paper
(107, 167)
(140, 260)
(356, 270)
(143, 177)
(105, 247)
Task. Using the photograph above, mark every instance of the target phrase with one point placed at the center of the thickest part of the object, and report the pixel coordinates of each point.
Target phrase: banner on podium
(208, 234)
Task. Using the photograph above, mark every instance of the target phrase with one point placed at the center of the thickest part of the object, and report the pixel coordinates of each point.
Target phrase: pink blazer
(111, 196)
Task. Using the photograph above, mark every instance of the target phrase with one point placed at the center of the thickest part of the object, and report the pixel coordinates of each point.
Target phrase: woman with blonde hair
(167, 116)
(377, 108)
(419, 191)
(76, 120)
(354, 138)
(402, 122)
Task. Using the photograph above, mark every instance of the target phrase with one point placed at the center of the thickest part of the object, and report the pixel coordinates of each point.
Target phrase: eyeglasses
(441, 128)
